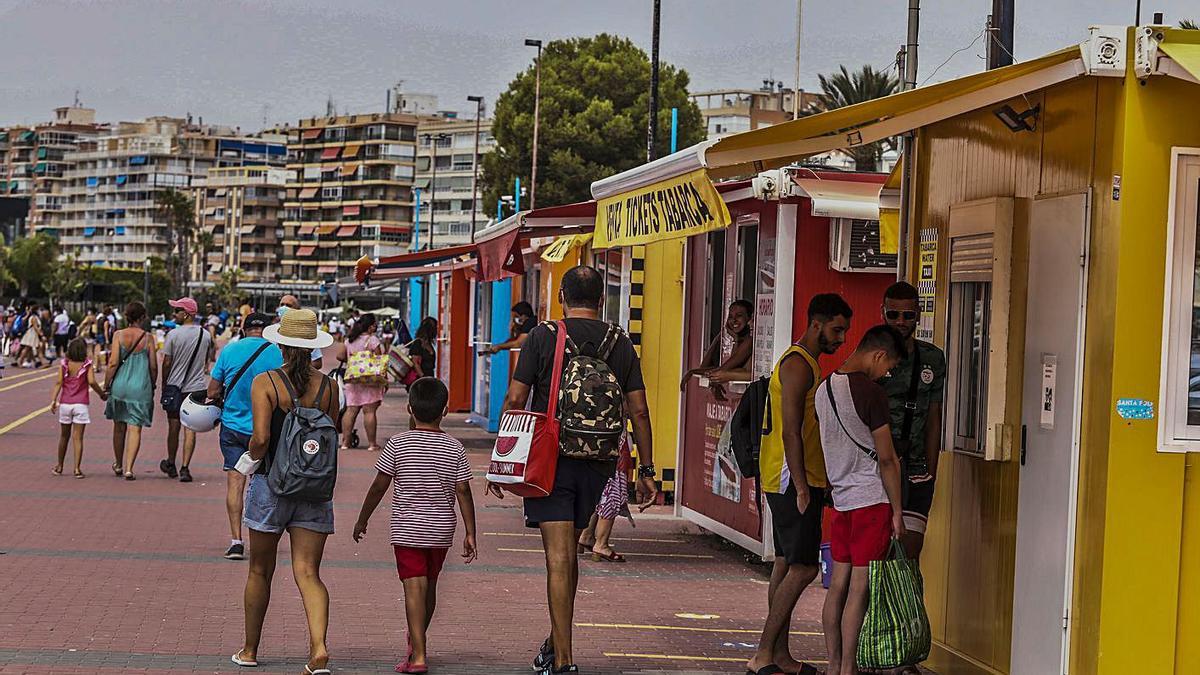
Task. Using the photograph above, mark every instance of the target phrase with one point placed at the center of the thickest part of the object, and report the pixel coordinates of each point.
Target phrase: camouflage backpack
(591, 404)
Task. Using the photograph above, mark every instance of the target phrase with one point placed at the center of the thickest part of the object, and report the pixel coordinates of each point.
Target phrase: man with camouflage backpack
(601, 386)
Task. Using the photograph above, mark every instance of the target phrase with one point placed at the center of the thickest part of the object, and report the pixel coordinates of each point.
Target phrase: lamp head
(533, 43)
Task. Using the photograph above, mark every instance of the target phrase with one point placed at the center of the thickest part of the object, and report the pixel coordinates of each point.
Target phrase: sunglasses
(907, 315)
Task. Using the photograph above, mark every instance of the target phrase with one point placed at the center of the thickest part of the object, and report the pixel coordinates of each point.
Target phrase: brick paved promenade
(104, 576)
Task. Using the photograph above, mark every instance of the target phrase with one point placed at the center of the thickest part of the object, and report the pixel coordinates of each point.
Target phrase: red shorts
(412, 561)
(861, 536)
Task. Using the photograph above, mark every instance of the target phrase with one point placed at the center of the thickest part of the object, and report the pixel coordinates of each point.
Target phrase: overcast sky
(239, 62)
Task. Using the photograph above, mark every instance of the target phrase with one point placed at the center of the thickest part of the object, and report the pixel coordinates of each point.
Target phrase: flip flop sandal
(129, 476)
(79, 474)
(407, 668)
(245, 663)
(614, 557)
(116, 469)
(56, 472)
(319, 671)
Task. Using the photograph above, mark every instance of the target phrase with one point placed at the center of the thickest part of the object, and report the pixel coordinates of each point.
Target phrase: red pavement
(102, 575)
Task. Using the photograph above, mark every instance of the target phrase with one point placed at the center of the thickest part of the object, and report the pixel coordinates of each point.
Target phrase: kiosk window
(714, 289)
(609, 264)
(747, 257)
(969, 318)
(1179, 422)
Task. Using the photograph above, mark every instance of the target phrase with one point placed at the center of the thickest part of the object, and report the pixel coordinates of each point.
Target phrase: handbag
(895, 630)
(400, 365)
(172, 395)
(365, 367)
(525, 456)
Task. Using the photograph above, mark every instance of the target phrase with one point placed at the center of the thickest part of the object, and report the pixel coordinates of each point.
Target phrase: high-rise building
(33, 160)
(729, 111)
(109, 214)
(351, 192)
(239, 223)
(445, 148)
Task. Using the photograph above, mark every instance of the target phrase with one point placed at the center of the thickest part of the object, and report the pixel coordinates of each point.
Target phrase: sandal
(319, 671)
(613, 557)
(78, 474)
(116, 469)
(407, 668)
(129, 476)
(374, 448)
(245, 663)
(57, 471)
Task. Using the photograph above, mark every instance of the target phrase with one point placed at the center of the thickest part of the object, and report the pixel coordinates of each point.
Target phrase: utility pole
(1000, 34)
(652, 128)
(799, 34)
(907, 144)
(537, 114)
(478, 101)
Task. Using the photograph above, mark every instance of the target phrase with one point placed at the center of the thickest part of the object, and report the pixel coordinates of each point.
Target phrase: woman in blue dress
(132, 372)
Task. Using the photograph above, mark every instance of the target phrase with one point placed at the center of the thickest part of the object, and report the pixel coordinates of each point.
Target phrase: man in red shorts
(864, 482)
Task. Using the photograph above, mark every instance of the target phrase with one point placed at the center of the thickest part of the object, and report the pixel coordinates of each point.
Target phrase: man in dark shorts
(186, 352)
(914, 388)
(564, 513)
(791, 470)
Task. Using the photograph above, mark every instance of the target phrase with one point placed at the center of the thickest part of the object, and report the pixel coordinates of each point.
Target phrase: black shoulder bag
(869, 452)
(172, 395)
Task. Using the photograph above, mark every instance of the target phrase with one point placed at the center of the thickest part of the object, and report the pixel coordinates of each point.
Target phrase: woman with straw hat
(267, 515)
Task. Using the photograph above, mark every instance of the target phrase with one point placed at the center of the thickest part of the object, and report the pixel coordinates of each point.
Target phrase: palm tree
(177, 210)
(844, 88)
(1189, 24)
(204, 240)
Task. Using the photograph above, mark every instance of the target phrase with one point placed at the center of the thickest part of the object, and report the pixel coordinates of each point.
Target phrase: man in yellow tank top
(791, 470)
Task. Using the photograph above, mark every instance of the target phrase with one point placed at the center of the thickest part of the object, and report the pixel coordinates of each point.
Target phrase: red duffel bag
(525, 456)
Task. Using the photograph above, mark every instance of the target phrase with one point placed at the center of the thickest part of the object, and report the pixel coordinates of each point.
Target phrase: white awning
(677, 164)
(841, 199)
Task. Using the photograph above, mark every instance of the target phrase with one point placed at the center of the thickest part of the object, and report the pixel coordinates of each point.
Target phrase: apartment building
(730, 111)
(33, 160)
(351, 192)
(449, 194)
(109, 215)
(239, 223)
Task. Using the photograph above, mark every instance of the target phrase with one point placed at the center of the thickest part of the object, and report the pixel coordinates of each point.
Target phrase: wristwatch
(647, 471)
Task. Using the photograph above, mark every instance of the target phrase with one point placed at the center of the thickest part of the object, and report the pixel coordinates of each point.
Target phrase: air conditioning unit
(854, 247)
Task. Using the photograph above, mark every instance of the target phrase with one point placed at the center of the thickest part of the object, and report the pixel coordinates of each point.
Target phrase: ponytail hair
(297, 365)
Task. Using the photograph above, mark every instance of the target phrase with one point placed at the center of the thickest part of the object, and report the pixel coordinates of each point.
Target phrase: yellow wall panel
(662, 345)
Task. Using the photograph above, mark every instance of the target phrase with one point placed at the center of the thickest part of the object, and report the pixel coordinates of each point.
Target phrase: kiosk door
(1049, 447)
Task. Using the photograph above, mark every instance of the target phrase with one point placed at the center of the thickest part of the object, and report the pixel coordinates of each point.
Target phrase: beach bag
(304, 465)
(895, 631)
(525, 456)
(367, 368)
(591, 404)
(400, 365)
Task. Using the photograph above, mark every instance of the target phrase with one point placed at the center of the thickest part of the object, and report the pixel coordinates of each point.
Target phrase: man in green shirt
(915, 388)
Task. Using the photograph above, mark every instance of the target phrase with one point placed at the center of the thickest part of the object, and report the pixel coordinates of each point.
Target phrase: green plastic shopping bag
(895, 631)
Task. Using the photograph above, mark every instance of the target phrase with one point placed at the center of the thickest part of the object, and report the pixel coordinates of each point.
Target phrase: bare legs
(235, 496)
(842, 617)
(559, 539)
(348, 419)
(787, 583)
(420, 601)
(118, 446)
(174, 429)
(307, 549)
(64, 436)
(77, 441)
(133, 443)
(371, 423)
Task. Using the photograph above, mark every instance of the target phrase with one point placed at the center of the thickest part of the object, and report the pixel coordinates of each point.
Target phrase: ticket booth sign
(679, 207)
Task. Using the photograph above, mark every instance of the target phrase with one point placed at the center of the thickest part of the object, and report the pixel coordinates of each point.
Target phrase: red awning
(308, 192)
(424, 257)
(347, 230)
(440, 268)
(330, 153)
(327, 269)
(307, 229)
(351, 210)
(311, 134)
(305, 251)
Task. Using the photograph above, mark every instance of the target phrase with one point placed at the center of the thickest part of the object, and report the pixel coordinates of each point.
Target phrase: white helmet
(197, 415)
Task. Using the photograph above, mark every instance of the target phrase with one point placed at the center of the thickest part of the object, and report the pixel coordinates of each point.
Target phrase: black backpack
(746, 427)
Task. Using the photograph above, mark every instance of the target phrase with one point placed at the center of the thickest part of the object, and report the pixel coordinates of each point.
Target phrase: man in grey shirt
(186, 352)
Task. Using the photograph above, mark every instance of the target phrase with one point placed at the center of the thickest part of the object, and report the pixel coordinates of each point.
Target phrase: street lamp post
(537, 110)
(146, 282)
(478, 101)
(433, 139)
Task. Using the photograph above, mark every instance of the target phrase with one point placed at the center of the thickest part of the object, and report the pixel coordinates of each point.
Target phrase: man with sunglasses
(914, 388)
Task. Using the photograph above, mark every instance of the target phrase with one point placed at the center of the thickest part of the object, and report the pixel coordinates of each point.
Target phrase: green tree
(595, 97)
(65, 280)
(177, 209)
(29, 261)
(844, 88)
(1189, 24)
(6, 276)
(225, 289)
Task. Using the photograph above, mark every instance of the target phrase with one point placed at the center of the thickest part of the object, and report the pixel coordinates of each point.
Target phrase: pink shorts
(862, 535)
(413, 561)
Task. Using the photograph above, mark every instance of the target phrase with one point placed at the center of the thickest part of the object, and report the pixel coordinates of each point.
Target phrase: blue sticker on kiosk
(1135, 409)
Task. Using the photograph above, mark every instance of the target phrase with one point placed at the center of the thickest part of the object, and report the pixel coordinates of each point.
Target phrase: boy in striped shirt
(428, 471)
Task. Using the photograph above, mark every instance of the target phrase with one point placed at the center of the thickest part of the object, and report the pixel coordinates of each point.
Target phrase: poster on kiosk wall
(713, 491)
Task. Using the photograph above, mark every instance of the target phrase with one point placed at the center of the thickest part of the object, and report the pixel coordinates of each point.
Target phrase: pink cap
(186, 304)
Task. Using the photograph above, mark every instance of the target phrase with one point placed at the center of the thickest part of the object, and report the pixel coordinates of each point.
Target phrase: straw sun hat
(298, 328)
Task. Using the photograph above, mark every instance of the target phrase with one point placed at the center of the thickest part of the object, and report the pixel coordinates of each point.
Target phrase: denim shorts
(233, 444)
(265, 512)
